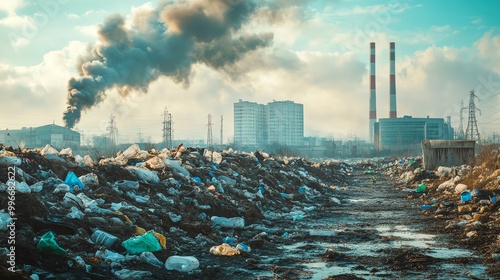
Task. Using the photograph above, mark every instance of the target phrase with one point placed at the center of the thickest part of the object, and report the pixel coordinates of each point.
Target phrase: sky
(79, 62)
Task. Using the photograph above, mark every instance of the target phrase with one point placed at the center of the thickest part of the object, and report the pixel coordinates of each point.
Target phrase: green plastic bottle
(420, 188)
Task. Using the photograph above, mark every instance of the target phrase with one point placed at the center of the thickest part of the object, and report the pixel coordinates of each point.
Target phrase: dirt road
(375, 232)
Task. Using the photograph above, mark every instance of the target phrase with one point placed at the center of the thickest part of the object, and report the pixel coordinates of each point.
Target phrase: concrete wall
(447, 153)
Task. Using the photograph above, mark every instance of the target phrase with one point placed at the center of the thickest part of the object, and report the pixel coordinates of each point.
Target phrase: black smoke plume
(166, 41)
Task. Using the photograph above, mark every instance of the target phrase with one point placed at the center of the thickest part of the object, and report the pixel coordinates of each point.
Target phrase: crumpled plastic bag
(71, 180)
(224, 250)
(143, 243)
(48, 245)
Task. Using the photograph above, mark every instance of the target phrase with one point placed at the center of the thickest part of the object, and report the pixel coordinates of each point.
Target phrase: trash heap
(143, 214)
(464, 198)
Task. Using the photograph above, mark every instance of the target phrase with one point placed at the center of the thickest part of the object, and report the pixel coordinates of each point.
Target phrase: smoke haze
(166, 41)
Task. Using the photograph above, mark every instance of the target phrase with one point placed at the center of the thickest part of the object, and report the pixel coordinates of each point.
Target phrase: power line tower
(221, 129)
(210, 141)
(167, 129)
(112, 133)
(472, 133)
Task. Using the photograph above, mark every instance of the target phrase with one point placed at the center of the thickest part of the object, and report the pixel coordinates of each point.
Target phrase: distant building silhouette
(407, 133)
(35, 137)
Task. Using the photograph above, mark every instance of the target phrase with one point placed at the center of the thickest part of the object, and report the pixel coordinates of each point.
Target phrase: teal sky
(319, 56)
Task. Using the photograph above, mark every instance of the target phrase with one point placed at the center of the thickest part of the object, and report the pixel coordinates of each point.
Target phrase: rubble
(128, 215)
(463, 198)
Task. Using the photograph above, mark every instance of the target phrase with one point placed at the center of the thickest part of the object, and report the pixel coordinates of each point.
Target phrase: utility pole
(112, 131)
(139, 137)
(167, 129)
(461, 134)
(472, 132)
(221, 130)
(210, 142)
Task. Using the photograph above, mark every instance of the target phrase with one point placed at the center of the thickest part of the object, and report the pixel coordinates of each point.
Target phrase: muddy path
(365, 230)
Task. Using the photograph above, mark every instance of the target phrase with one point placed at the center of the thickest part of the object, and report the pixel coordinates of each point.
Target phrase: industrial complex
(259, 126)
(406, 133)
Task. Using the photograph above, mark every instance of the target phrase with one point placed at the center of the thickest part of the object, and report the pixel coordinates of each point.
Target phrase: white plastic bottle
(235, 222)
(182, 263)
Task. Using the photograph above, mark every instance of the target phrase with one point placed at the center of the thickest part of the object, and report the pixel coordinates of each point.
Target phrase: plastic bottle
(421, 188)
(228, 240)
(182, 263)
(103, 238)
(465, 196)
(243, 247)
(235, 222)
(425, 207)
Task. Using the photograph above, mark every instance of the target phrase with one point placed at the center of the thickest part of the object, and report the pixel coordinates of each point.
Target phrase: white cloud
(442, 28)
(434, 81)
(87, 30)
(477, 21)
(37, 93)
(11, 6)
(488, 45)
(72, 16)
(395, 8)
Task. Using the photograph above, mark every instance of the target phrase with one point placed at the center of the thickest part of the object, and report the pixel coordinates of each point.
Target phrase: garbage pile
(143, 214)
(464, 197)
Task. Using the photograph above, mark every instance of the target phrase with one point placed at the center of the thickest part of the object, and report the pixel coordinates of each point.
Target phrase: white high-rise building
(249, 123)
(285, 123)
(278, 122)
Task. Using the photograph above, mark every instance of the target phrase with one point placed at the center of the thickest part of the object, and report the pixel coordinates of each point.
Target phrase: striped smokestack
(373, 96)
(392, 81)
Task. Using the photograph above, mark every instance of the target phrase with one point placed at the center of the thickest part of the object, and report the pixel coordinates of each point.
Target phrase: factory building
(36, 137)
(406, 133)
(278, 122)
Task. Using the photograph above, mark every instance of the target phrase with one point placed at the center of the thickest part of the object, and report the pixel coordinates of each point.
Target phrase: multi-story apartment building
(278, 122)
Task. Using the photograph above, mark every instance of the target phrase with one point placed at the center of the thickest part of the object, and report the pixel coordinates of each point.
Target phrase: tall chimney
(373, 96)
(392, 80)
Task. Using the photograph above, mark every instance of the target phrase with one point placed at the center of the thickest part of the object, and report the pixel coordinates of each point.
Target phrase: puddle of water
(358, 249)
(398, 236)
(383, 228)
(321, 271)
(409, 235)
(402, 227)
(445, 253)
(358, 200)
(322, 232)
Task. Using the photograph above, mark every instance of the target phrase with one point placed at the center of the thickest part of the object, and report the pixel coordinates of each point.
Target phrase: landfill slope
(190, 213)
(462, 200)
(172, 194)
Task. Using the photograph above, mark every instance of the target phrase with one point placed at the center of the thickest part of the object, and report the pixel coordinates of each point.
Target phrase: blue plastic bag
(71, 180)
